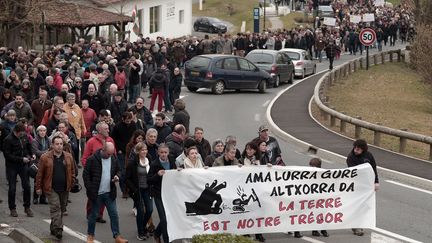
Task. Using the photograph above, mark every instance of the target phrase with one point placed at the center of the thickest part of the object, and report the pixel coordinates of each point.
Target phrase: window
(244, 65)
(155, 19)
(181, 16)
(219, 64)
(230, 64)
(260, 58)
(279, 59)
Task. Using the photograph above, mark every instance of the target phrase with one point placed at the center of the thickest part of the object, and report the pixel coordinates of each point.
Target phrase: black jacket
(122, 133)
(93, 172)
(154, 180)
(132, 181)
(117, 110)
(158, 80)
(163, 132)
(15, 149)
(365, 157)
(181, 117)
(175, 147)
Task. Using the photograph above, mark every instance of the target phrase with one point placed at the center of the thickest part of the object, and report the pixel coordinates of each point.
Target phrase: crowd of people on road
(81, 107)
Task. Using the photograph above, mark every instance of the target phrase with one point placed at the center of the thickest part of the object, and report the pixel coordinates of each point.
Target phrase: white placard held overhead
(355, 19)
(379, 2)
(329, 21)
(368, 17)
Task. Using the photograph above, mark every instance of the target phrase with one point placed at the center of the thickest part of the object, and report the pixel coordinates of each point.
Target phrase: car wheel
(277, 82)
(192, 89)
(262, 86)
(196, 28)
(218, 87)
(213, 30)
(291, 80)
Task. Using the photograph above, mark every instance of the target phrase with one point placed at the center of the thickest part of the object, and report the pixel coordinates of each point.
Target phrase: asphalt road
(400, 210)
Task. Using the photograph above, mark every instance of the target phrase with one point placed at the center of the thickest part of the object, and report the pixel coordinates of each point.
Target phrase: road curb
(311, 149)
(23, 236)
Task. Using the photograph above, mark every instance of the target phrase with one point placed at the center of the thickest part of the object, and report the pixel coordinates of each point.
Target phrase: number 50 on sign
(367, 36)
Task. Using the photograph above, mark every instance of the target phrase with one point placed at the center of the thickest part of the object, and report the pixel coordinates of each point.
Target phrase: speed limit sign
(367, 36)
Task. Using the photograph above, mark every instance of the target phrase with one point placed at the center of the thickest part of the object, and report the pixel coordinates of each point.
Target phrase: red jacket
(92, 145)
(120, 79)
(90, 117)
(58, 81)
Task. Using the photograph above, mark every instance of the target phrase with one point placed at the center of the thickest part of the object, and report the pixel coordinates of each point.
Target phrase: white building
(167, 18)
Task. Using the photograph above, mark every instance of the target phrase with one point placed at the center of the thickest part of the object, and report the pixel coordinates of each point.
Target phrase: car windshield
(214, 20)
(260, 58)
(293, 55)
(199, 62)
(326, 8)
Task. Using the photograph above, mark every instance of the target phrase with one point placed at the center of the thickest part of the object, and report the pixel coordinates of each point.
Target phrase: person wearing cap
(274, 151)
(40, 145)
(118, 107)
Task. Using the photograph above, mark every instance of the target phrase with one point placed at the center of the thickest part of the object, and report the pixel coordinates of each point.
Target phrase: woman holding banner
(139, 190)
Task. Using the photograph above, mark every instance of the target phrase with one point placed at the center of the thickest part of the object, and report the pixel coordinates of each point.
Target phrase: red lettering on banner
(258, 222)
(320, 203)
(224, 224)
(290, 206)
(319, 219)
(206, 226)
(338, 218)
(215, 226)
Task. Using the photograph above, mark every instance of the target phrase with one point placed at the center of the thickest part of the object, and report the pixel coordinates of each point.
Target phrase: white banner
(355, 19)
(368, 17)
(379, 2)
(329, 21)
(259, 199)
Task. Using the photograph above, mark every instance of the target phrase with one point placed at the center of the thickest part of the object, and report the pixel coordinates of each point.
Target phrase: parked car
(223, 72)
(325, 11)
(277, 64)
(210, 25)
(303, 63)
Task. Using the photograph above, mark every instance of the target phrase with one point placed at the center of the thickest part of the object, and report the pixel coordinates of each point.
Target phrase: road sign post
(367, 38)
(256, 18)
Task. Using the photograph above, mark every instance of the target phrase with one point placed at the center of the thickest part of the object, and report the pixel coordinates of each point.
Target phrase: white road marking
(266, 103)
(257, 117)
(73, 233)
(378, 238)
(396, 236)
(409, 187)
(4, 225)
(308, 239)
(183, 96)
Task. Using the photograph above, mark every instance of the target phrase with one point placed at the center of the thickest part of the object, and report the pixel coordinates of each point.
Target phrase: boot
(119, 239)
(29, 212)
(13, 213)
(297, 234)
(90, 239)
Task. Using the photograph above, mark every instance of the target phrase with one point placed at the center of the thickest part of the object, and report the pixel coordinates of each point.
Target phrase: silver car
(303, 63)
(325, 11)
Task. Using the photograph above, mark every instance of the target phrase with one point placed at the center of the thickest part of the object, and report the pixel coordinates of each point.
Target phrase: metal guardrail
(345, 70)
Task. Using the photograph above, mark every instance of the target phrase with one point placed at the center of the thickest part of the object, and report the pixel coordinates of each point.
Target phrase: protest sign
(259, 199)
(329, 21)
(355, 19)
(368, 17)
(379, 2)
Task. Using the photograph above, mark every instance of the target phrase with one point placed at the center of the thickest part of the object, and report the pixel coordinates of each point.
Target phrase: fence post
(342, 124)
(399, 53)
(357, 132)
(391, 56)
(361, 63)
(375, 60)
(355, 65)
(430, 151)
(332, 118)
(377, 136)
(402, 142)
(324, 114)
(382, 57)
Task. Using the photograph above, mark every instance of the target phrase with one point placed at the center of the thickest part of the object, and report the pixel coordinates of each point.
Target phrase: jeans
(143, 200)
(380, 45)
(157, 93)
(121, 159)
(106, 200)
(161, 229)
(167, 100)
(57, 202)
(12, 172)
(134, 92)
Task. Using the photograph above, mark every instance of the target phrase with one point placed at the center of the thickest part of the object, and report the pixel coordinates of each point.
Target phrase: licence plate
(194, 73)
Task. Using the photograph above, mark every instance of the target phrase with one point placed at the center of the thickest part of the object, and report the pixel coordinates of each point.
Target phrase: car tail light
(299, 63)
(273, 69)
(209, 75)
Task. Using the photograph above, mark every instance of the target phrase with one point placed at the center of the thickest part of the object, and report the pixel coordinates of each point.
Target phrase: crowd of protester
(86, 99)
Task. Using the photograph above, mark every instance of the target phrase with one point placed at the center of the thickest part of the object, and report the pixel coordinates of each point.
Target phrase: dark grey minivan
(277, 64)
